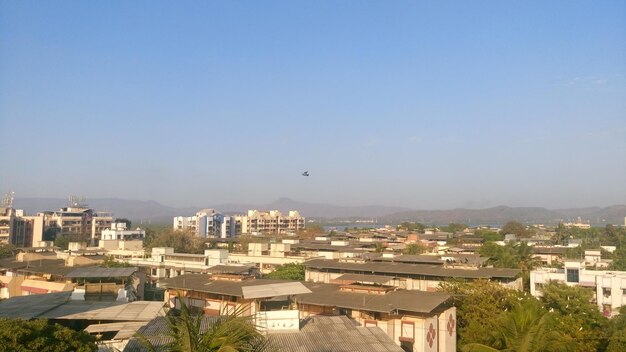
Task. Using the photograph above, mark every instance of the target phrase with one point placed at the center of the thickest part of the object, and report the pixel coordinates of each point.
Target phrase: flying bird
(306, 173)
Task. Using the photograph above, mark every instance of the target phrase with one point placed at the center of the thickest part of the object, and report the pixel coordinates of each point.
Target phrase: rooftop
(412, 269)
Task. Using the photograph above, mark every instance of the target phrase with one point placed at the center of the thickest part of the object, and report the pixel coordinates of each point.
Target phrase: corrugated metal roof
(32, 306)
(418, 302)
(375, 279)
(125, 330)
(99, 310)
(273, 290)
(203, 283)
(412, 269)
(98, 271)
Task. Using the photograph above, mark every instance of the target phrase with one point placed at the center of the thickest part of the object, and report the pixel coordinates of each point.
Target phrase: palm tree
(189, 332)
(528, 327)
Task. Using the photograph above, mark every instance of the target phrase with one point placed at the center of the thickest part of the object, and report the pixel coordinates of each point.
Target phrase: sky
(420, 104)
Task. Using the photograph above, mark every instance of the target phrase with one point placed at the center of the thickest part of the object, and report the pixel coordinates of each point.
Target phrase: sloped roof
(98, 271)
(390, 268)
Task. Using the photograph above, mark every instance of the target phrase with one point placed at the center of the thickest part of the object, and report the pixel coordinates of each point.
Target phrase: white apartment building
(165, 263)
(609, 286)
(208, 223)
(273, 221)
(118, 231)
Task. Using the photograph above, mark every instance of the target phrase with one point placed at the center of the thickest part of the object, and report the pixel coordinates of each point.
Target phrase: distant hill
(501, 214)
(154, 212)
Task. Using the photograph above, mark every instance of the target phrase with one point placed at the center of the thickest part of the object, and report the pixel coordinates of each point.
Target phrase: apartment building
(609, 286)
(18, 229)
(118, 231)
(77, 219)
(208, 223)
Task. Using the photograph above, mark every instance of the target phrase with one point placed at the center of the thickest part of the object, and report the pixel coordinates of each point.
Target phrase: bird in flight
(306, 173)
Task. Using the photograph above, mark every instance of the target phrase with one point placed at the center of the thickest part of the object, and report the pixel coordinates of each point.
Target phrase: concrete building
(77, 219)
(208, 223)
(421, 277)
(609, 286)
(18, 229)
(416, 321)
(118, 231)
(165, 263)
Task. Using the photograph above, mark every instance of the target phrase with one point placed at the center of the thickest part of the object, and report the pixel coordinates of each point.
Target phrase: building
(18, 229)
(609, 286)
(78, 220)
(208, 223)
(421, 277)
(165, 263)
(416, 321)
(118, 231)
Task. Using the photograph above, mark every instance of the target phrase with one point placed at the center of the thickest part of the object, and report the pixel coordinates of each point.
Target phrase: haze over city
(421, 105)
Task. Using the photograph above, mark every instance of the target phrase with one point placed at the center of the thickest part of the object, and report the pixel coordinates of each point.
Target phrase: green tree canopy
(514, 227)
(227, 333)
(411, 226)
(291, 271)
(181, 241)
(7, 250)
(414, 248)
(528, 327)
(19, 335)
(124, 220)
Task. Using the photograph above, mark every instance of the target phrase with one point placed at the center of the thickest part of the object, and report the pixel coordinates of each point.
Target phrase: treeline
(491, 317)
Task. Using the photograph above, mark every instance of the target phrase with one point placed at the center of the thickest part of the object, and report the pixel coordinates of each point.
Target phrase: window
(572, 275)
(606, 292)
(369, 323)
(407, 331)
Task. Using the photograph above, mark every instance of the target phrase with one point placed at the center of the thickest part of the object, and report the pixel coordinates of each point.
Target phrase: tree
(109, 262)
(291, 271)
(580, 318)
(7, 250)
(488, 235)
(226, 333)
(124, 220)
(617, 332)
(454, 227)
(411, 226)
(514, 227)
(181, 241)
(526, 328)
(414, 248)
(479, 304)
(39, 335)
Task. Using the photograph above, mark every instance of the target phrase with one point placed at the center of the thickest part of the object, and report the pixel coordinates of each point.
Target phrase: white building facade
(609, 286)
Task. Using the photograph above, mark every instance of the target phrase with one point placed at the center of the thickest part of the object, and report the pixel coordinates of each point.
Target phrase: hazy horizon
(428, 105)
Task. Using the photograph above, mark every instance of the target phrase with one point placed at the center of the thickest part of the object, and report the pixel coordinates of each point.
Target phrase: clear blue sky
(424, 104)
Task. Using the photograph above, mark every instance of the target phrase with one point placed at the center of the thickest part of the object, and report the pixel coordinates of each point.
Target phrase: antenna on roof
(76, 201)
(7, 201)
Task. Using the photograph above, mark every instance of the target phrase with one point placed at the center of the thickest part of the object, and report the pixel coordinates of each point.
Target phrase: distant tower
(7, 201)
(76, 202)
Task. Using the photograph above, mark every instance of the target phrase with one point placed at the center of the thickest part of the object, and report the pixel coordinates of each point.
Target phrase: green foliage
(579, 317)
(617, 332)
(526, 328)
(291, 271)
(124, 220)
(181, 241)
(514, 227)
(62, 241)
(19, 335)
(454, 227)
(479, 304)
(109, 262)
(414, 248)
(7, 251)
(411, 226)
(488, 235)
(227, 333)
(619, 257)
(380, 247)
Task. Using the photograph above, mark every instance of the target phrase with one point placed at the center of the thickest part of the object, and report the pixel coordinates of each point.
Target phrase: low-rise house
(408, 276)
(609, 286)
(165, 263)
(417, 321)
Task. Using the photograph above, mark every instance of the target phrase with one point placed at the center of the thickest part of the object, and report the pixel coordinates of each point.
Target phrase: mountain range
(154, 212)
